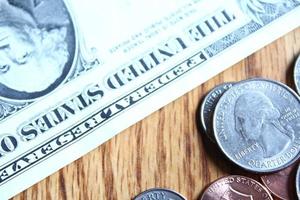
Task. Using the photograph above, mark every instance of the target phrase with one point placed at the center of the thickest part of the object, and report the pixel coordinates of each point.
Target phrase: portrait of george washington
(35, 50)
(257, 120)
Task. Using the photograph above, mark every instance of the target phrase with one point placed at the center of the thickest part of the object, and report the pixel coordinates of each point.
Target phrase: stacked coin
(236, 188)
(281, 184)
(298, 182)
(159, 194)
(208, 107)
(297, 75)
(256, 123)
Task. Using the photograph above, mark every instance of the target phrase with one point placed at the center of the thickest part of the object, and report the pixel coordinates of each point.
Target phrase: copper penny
(282, 183)
(236, 187)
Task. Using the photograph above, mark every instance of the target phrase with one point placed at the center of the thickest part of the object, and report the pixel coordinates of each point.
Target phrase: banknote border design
(106, 117)
(204, 54)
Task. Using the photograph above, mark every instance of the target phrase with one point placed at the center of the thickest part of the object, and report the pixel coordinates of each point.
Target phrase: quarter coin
(256, 125)
(159, 194)
(236, 187)
(297, 75)
(281, 183)
(208, 106)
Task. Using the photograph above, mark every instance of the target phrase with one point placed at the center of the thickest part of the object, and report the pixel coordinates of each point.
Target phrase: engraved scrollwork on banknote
(40, 50)
(256, 119)
(87, 60)
(7, 108)
(262, 11)
(231, 39)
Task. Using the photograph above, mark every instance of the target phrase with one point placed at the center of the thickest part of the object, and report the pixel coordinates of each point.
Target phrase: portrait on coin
(34, 51)
(257, 120)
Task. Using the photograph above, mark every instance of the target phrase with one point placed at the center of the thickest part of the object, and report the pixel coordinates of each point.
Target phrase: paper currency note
(75, 73)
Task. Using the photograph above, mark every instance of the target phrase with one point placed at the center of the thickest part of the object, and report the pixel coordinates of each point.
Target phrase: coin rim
(159, 189)
(297, 179)
(225, 177)
(297, 63)
(202, 108)
(219, 143)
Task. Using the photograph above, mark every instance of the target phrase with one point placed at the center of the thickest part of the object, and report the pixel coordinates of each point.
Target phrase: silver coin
(159, 194)
(297, 75)
(257, 125)
(208, 106)
(298, 182)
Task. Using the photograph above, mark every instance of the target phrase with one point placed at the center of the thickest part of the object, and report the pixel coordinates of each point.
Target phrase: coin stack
(256, 124)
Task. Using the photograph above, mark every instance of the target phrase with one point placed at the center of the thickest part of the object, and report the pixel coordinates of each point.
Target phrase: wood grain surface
(166, 149)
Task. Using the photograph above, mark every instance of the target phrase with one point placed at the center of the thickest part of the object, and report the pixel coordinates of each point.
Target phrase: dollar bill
(75, 73)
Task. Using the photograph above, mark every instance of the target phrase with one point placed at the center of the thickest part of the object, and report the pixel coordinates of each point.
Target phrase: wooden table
(166, 149)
